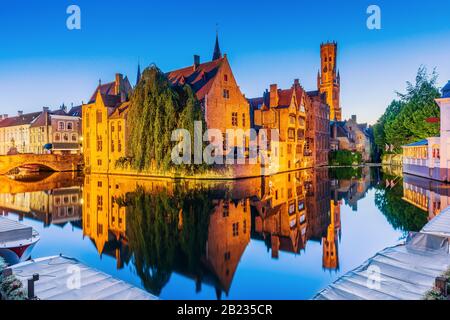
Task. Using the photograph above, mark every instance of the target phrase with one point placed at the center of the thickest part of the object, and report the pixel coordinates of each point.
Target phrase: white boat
(16, 241)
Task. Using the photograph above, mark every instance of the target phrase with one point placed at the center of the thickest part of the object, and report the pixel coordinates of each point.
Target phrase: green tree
(404, 120)
(156, 109)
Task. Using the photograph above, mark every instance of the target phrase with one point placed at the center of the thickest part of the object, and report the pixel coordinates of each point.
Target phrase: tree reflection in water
(165, 231)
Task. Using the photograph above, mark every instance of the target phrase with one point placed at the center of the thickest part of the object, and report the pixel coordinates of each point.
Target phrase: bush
(345, 158)
(10, 287)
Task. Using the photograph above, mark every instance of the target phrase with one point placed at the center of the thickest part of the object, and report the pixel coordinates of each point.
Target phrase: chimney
(20, 112)
(354, 118)
(273, 95)
(45, 109)
(196, 61)
(296, 83)
(118, 83)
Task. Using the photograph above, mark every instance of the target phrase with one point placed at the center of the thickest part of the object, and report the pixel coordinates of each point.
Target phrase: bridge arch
(57, 163)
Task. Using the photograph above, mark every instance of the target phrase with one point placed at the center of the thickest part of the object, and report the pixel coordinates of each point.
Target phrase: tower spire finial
(138, 77)
(217, 54)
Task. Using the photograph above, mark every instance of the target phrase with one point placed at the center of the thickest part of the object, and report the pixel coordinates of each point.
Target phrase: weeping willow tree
(166, 232)
(156, 109)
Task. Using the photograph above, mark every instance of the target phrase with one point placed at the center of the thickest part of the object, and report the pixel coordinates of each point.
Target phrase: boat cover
(58, 281)
(11, 230)
(403, 272)
(440, 224)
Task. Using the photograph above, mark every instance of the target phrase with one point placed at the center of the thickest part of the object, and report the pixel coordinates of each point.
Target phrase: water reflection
(206, 230)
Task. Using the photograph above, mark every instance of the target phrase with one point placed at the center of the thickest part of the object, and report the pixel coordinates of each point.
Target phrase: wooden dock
(63, 278)
(403, 272)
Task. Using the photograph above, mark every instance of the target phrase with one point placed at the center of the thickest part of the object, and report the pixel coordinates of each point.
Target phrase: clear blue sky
(42, 63)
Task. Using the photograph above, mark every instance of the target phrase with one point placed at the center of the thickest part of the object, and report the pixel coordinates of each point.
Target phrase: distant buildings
(430, 157)
(47, 131)
(352, 136)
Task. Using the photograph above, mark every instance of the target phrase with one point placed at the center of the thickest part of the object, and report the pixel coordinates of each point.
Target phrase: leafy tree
(404, 120)
(156, 109)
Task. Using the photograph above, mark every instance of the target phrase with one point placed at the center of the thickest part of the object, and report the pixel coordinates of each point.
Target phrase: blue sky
(42, 63)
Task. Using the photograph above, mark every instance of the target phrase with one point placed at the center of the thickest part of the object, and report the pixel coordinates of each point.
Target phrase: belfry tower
(328, 79)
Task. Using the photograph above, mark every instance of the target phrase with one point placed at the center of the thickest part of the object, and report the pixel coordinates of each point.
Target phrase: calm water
(280, 237)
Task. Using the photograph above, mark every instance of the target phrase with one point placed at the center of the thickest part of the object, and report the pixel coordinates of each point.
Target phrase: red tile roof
(105, 89)
(19, 120)
(200, 79)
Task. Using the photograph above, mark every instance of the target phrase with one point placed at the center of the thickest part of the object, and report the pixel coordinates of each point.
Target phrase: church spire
(217, 54)
(138, 77)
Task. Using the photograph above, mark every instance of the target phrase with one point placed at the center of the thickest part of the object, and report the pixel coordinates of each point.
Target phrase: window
(119, 146)
(245, 227)
(99, 162)
(225, 77)
(99, 203)
(61, 126)
(236, 229)
(99, 143)
(69, 126)
(226, 93)
(66, 137)
(243, 119)
(112, 145)
(227, 256)
(74, 138)
(289, 149)
(120, 127)
(234, 119)
(112, 127)
(291, 133)
(99, 117)
(57, 137)
(225, 209)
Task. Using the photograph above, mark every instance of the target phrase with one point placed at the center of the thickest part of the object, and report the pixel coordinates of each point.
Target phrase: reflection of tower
(329, 80)
(330, 258)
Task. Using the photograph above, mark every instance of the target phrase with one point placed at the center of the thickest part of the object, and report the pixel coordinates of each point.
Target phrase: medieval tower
(328, 79)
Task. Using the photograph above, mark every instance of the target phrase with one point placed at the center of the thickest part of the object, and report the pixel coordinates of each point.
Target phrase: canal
(281, 237)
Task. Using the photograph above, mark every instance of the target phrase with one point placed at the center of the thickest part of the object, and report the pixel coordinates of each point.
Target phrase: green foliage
(434, 294)
(10, 287)
(167, 232)
(345, 173)
(404, 120)
(344, 158)
(156, 109)
(400, 214)
(123, 163)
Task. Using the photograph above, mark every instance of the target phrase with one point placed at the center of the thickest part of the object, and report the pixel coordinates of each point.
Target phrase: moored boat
(16, 240)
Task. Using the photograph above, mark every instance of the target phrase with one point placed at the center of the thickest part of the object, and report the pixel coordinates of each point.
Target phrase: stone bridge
(54, 162)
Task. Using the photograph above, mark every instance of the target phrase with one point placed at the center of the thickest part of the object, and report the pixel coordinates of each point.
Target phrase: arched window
(66, 137)
(74, 138)
(69, 126)
(57, 137)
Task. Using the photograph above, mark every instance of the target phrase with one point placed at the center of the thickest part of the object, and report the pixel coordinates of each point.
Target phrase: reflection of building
(427, 195)
(57, 206)
(281, 218)
(228, 236)
(430, 158)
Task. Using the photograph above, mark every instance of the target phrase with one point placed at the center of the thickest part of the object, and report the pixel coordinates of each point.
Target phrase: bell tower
(329, 80)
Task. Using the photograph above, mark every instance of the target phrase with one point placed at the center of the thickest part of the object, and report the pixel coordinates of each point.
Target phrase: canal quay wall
(404, 272)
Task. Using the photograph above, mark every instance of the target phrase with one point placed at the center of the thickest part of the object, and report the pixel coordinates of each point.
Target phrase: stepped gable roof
(199, 78)
(105, 89)
(19, 120)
